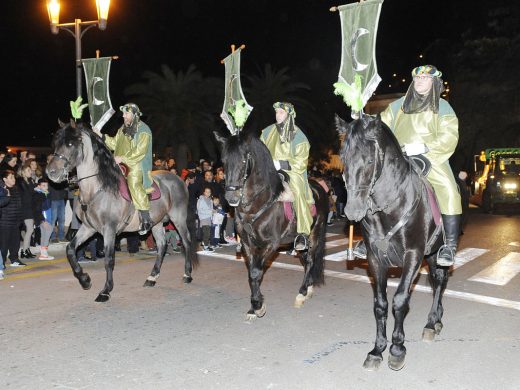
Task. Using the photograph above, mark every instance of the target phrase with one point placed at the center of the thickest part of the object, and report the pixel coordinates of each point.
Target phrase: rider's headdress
(415, 102)
(286, 129)
(131, 107)
(428, 70)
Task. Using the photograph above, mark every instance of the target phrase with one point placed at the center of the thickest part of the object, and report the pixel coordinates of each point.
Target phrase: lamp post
(74, 28)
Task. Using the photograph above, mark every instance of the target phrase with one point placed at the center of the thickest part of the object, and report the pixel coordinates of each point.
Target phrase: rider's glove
(415, 149)
(282, 164)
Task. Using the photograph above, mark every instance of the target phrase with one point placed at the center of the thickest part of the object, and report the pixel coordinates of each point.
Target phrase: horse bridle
(66, 168)
(375, 177)
(247, 172)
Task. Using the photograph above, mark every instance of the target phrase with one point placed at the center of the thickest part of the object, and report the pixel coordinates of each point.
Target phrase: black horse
(253, 187)
(399, 225)
(102, 209)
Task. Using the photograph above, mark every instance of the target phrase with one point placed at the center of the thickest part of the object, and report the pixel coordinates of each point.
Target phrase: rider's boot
(146, 221)
(360, 250)
(446, 255)
(301, 242)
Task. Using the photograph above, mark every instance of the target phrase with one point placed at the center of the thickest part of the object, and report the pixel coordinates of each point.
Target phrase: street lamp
(53, 7)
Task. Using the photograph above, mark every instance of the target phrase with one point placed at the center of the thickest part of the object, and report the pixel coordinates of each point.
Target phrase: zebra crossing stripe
(501, 272)
(514, 243)
(329, 244)
(506, 303)
(462, 257)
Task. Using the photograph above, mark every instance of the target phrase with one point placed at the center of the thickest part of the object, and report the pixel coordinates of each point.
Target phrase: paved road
(176, 336)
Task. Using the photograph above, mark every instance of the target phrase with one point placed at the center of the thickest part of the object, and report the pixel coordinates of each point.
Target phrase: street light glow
(102, 9)
(53, 8)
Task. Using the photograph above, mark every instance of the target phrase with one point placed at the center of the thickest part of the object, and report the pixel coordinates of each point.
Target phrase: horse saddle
(287, 197)
(124, 191)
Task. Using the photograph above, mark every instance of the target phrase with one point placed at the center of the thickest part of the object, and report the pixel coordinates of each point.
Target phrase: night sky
(40, 76)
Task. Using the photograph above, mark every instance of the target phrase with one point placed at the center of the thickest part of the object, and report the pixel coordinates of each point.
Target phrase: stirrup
(299, 245)
(360, 250)
(443, 261)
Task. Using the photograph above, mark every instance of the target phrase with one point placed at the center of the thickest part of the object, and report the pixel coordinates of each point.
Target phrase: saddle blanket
(289, 212)
(125, 192)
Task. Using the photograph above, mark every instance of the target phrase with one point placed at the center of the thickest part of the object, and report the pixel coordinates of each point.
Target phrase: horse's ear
(72, 123)
(341, 125)
(372, 126)
(219, 138)
(61, 124)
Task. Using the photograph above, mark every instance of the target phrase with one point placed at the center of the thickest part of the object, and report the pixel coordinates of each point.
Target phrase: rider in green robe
(132, 146)
(289, 149)
(425, 124)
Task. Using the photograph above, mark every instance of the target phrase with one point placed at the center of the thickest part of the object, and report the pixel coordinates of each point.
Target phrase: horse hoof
(149, 283)
(261, 312)
(428, 335)
(250, 316)
(187, 279)
(372, 362)
(438, 327)
(85, 281)
(299, 301)
(310, 292)
(102, 297)
(396, 362)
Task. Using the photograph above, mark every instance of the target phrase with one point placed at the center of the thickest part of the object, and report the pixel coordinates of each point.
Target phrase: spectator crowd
(33, 208)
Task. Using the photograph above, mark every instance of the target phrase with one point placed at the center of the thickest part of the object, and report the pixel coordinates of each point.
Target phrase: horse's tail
(191, 225)
(317, 271)
(319, 234)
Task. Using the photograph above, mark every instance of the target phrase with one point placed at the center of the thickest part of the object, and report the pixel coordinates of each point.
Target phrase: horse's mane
(109, 172)
(362, 131)
(238, 146)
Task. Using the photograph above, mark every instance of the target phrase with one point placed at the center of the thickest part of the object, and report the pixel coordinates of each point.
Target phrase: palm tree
(181, 108)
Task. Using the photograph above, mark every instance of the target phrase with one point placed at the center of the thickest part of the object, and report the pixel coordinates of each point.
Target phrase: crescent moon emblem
(358, 66)
(95, 100)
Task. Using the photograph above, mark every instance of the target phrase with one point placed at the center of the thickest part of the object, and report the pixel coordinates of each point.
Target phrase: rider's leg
(140, 199)
(302, 211)
(446, 255)
(448, 196)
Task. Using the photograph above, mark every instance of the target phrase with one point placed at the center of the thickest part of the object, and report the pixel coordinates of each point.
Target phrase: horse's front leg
(375, 357)
(160, 240)
(401, 304)
(255, 266)
(109, 235)
(438, 280)
(81, 236)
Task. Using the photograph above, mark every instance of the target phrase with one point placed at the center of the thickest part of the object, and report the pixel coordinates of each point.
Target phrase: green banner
(235, 110)
(358, 78)
(97, 72)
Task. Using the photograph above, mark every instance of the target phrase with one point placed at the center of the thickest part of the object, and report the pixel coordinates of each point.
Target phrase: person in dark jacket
(4, 200)
(10, 221)
(26, 186)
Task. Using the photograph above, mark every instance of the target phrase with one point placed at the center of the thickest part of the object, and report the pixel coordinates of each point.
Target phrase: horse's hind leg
(109, 237)
(82, 235)
(160, 241)
(182, 220)
(375, 357)
(438, 280)
(313, 263)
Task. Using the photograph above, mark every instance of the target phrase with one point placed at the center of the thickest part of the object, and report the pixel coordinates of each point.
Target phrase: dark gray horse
(102, 209)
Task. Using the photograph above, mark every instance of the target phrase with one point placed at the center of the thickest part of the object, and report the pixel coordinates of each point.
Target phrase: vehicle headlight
(510, 186)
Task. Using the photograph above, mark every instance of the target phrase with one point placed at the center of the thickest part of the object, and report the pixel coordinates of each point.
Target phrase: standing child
(43, 216)
(205, 212)
(216, 222)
